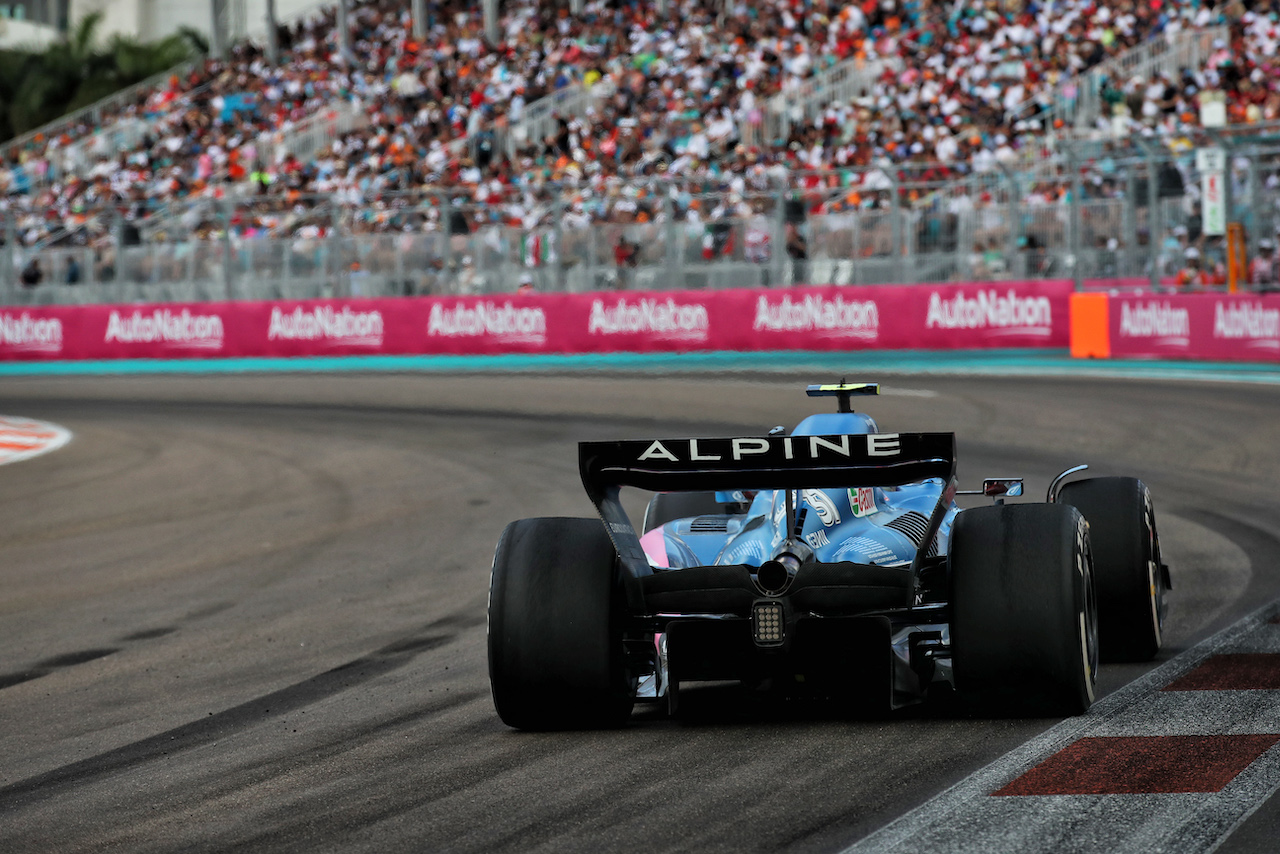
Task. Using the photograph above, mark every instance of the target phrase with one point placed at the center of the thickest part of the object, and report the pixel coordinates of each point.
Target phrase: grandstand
(735, 143)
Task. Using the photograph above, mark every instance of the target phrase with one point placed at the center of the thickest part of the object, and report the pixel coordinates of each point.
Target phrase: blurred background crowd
(431, 133)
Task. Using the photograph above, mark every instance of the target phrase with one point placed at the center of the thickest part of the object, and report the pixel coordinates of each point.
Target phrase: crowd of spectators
(683, 113)
(212, 129)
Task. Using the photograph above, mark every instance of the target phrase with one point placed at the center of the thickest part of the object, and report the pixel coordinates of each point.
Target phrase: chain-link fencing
(1122, 210)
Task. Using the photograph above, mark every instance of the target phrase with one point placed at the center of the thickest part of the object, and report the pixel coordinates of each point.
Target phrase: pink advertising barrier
(1017, 314)
(1196, 326)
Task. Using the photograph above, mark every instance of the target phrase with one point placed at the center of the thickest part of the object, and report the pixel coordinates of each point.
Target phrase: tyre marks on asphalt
(222, 724)
(71, 659)
(24, 438)
(44, 668)
(1174, 761)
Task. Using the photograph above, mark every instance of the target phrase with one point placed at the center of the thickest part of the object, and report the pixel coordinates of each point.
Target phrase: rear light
(768, 623)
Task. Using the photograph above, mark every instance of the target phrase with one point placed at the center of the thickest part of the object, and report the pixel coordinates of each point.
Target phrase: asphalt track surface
(249, 613)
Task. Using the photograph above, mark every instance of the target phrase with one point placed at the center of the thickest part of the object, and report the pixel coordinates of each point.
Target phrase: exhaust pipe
(775, 575)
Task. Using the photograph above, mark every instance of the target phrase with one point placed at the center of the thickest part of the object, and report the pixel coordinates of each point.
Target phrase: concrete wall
(155, 19)
(25, 34)
(119, 16)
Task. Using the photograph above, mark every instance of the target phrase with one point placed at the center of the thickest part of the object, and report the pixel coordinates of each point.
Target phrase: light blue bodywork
(888, 536)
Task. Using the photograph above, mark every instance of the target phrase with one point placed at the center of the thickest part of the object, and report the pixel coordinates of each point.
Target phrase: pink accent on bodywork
(655, 546)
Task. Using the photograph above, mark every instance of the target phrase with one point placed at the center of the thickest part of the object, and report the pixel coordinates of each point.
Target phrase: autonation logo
(323, 323)
(201, 331)
(815, 313)
(1156, 320)
(656, 317)
(1003, 315)
(487, 318)
(1253, 323)
(31, 334)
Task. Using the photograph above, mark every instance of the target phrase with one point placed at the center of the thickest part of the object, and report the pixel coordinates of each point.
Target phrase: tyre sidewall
(1023, 629)
(1126, 551)
(556, 655)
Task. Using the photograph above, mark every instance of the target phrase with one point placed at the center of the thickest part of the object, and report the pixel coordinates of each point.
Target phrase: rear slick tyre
(556, 653)
(1024, 631)
(1126, 564)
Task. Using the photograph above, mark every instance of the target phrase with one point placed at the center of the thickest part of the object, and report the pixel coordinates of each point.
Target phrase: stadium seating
(611, 103)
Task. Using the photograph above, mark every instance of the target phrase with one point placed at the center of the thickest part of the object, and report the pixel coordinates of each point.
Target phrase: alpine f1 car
(832, 559)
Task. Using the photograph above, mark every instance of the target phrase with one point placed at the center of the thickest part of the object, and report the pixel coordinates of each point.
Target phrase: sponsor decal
(822, 505)
(817, 539)
(793, 447)
(162, 326)
(751, 551)
(30, 334)
(1252, 322)
(657, 317)
(815, 313)
(862, 500)
(865, 550)
(488, 318)
(363, 328)
(1001, 315)
(1156, 320)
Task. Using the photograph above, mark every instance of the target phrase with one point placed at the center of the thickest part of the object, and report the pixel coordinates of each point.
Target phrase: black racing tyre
(556, 611)
(665, 507)
(1024, 630)
(1126, 564)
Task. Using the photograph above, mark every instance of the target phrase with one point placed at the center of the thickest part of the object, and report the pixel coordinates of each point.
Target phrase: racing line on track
(1173, 761)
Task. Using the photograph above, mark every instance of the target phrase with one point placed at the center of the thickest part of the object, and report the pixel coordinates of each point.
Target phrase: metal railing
(108, 137)
(314, 132)
(540, 117)
(104, 142)
(1078, 101)
(1106, 211)
(303, 140)
(843, 82)
(94, 113)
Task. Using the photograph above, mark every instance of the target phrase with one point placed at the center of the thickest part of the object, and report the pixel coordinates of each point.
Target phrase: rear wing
(766, 462)
(755, 462)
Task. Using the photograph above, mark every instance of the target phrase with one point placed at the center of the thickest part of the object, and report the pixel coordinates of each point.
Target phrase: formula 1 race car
(832, 560)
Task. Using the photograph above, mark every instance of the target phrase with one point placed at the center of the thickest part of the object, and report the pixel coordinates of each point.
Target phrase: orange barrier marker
(1090, 326)
(1237, 257)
